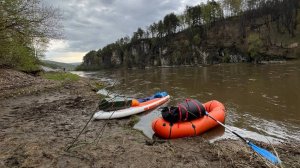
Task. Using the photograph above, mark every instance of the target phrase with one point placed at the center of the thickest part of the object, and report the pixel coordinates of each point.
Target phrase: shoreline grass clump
(60, 76)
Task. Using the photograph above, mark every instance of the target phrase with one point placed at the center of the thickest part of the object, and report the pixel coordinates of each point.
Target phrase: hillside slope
(59, 65)
(268, 32)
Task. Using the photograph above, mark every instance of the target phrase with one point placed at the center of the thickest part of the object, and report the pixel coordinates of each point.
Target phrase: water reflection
(257, 97)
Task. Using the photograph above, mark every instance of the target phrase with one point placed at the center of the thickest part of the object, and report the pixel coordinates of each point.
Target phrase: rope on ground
(73, 143)
(85, 126)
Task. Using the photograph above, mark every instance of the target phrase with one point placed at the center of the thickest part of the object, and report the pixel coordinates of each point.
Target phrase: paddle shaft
(206, 113)
(263, 152)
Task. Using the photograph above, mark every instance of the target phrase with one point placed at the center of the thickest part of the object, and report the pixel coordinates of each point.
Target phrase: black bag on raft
(187, 110)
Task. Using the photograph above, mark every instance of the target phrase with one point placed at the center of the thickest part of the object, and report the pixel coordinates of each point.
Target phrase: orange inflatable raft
(166, 130)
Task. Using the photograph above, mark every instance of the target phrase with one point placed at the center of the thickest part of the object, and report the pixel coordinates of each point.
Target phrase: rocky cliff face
(142, 55)
(180, 50)
(145, 53)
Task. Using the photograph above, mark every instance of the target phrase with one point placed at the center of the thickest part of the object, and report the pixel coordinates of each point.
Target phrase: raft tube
(138, 108)
(166, 130)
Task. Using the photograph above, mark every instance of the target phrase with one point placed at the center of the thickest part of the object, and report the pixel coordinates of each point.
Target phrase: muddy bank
(37, 124)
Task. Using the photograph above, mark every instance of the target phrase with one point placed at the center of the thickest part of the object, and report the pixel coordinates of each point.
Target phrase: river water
(262, 101)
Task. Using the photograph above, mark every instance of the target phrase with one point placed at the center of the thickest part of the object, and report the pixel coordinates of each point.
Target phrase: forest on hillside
(208, 33)
(25, 30)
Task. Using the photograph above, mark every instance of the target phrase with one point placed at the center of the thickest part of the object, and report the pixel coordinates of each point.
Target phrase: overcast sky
(92, 24)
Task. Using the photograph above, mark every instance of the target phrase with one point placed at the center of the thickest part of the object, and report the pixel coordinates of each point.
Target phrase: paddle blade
(264, 153)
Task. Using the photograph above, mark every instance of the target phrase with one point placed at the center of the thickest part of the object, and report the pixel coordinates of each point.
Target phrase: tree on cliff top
(171, 22)
(25, 29)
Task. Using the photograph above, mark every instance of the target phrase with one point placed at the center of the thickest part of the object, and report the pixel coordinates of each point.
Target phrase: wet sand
(40, 118)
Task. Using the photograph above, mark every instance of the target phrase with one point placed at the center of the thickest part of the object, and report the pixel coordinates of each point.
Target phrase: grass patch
(60, 76)
(96, 86)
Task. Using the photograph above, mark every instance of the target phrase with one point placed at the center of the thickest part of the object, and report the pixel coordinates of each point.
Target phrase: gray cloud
(92, 24)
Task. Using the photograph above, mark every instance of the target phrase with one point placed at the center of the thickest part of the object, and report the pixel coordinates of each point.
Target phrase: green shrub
(254, 46)
(226, 57)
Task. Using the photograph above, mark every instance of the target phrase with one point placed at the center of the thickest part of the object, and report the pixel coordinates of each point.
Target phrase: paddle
(263, 152)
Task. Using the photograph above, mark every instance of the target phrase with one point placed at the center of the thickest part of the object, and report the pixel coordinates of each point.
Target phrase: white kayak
(148, 105)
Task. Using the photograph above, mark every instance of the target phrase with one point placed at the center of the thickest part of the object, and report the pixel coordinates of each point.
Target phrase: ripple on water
(265, 88)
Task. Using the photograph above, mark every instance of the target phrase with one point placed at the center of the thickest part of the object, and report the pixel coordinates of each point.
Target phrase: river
(262, 101)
